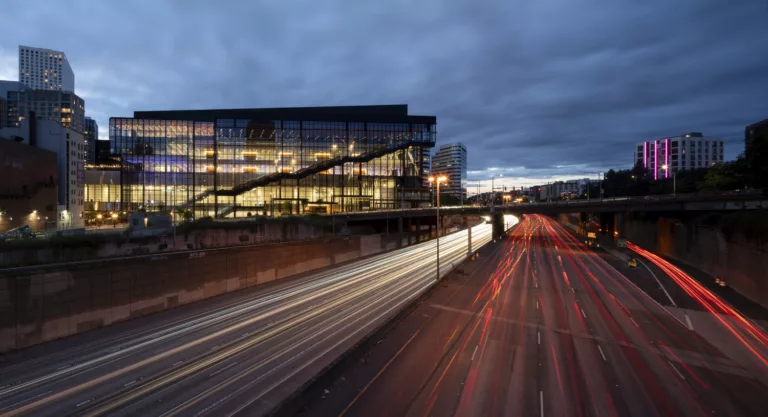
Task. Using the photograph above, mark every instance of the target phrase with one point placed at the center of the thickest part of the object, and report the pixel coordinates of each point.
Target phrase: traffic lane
(713, 386)
(153, 387)
(263, 368)
(429, 351)
(30, 363)
(448, 240)
(637, 367)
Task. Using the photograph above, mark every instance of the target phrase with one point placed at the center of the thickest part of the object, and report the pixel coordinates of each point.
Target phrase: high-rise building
(61, 106)
(91, 134)
(451, 160)
(688, 151)
(45, 69)
(69, 147)
(242, 162)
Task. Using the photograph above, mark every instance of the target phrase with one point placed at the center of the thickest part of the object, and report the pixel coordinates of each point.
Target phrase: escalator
(310, 170)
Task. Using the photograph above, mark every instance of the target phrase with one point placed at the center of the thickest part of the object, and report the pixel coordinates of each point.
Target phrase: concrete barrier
(43, 303)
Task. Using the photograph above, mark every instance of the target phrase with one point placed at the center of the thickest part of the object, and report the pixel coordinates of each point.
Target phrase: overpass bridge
(710, 202)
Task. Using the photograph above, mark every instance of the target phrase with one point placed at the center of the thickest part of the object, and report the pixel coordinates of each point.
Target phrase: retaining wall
(39, 304)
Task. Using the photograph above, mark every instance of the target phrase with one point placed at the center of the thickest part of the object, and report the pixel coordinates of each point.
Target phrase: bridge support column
(465, 221)
(497, 220)
(400, 231)
(417, 237)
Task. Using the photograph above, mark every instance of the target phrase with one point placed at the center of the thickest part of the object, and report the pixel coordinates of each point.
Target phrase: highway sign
(621, 243)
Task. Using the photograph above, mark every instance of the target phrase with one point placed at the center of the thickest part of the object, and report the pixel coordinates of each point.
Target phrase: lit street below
(542, 326)
(217, 358)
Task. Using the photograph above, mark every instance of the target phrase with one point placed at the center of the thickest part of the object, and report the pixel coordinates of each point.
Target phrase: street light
(437, 181)
(493, 193)
(665, 167)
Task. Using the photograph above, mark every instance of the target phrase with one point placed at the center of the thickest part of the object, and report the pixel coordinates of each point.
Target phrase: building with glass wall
(236, 163)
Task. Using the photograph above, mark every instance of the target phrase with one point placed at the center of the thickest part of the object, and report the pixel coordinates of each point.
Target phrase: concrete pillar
(469, 235)
(498, 225)
(400, 231)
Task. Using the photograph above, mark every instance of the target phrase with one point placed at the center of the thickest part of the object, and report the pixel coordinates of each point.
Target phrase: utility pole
(437, 181)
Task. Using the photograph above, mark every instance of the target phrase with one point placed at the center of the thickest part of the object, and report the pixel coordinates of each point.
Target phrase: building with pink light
(664, 156)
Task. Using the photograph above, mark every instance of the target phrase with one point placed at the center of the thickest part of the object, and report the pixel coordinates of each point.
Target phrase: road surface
(541, 326)
(236, 358)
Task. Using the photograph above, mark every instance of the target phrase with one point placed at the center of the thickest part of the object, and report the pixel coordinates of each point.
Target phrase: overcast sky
(536, 89)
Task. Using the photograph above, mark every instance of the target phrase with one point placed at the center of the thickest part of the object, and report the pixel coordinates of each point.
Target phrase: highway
(542, 326)
(243, 357)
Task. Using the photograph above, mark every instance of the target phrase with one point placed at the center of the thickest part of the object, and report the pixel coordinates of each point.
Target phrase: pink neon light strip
(645, 155)
(656, 159)
(666, 158)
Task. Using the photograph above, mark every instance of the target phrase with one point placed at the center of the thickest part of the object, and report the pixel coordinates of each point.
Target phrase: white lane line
(178, 362)
(537, 305)
(676, 371)
(573, 291)
(128, 384)
(658, 282)
(25, 400)
(223, 369)
(688, 320)
(473, 353)
(536, 284)
(541, 402)
(635, 323)
(583, 314)
(85, 402)
(538, 336)
(601, 353)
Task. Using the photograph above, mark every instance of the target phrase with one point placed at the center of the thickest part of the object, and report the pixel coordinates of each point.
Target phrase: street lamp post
(665, 167)
(437, 181)
(493, 192)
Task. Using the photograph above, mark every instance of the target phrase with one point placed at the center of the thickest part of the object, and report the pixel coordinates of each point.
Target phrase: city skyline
(540, 105)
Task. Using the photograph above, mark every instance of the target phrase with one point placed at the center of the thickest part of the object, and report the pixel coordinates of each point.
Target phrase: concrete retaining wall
(732, 254)
(43, 303)
(730, 245)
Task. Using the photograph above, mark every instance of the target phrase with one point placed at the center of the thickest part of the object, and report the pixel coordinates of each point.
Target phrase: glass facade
(242, 167)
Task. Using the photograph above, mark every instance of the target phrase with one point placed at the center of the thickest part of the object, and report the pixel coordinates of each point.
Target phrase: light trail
(752, 337)
(277, 335)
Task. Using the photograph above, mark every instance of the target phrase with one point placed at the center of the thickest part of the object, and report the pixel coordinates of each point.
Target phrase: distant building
(451, 160)
(69, 147)
(688, 151)
(91, 134)
(103, 153)
(28, 186)
(755, 133)
(45, 69)
(66, 108)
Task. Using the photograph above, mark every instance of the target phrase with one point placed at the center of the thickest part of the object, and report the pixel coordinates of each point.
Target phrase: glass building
(237, 163)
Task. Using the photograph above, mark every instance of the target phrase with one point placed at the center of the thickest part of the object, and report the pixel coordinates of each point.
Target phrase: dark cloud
(536, 89)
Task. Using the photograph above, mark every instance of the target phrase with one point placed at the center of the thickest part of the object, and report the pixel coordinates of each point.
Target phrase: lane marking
(676, 371)
(573, 291)
(538, 336)
(583, 314)
(601, 353)
(381, 371)
(537, 305)
(129, 383)
(635, 323)
(223, 369)
(541, 402)
(25, 400)
(84, 402)
(688, 320)
(658, 282)
(473, 353)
